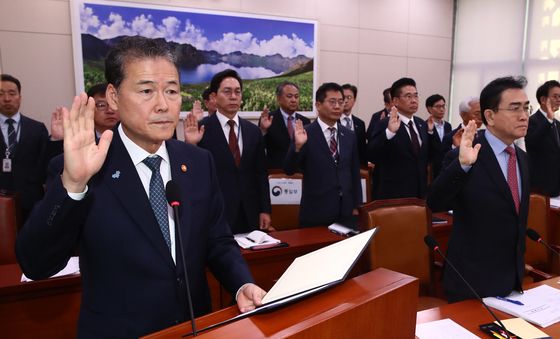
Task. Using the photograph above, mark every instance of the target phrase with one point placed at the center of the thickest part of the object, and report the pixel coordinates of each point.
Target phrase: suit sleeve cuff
(240, 289)
(389, 134)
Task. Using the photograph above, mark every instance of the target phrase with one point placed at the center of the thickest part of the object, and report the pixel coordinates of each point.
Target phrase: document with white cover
(255, 238)
(72, 267)
(539, 305)
(443, 329)
(322, 267)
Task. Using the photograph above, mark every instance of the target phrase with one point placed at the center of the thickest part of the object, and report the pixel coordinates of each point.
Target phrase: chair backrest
(399, 243)
(9, 217)
(366, 179)
(537, 255)
(284, 216)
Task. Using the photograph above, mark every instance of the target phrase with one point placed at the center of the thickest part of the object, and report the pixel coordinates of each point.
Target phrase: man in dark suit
(486, 183)
(354, 123)
(109, 202)
(543, 141)
(277, 126)
(437, 128)
(23, 147)
(327, 155)
(380, 115)
(238, 150)
(469, 109)
(399, 147)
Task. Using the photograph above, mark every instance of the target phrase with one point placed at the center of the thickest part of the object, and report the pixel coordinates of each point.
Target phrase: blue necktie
(157, 197)
(12, 137)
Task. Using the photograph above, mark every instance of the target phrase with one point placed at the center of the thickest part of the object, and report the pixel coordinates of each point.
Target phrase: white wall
(369, 43)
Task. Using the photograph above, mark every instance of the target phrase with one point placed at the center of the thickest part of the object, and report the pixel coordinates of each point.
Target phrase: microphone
(173, 196)
(535, 236)
(434, 246)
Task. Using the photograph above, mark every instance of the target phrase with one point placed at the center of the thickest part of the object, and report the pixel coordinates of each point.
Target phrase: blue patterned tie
(157, 197)
(12, 137)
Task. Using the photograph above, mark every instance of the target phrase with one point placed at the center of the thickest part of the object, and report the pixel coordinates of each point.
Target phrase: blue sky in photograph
(221, 33)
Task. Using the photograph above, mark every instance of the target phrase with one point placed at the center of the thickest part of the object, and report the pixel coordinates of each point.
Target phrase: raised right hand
(265, 121)
(193, 134)
(457, 137)
(300, 135)
(82, 156)
(467, 153)
(394, 120)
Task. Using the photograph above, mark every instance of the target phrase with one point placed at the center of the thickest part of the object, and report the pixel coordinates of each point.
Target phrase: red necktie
(333, 145)
(512, 176)
(291, 126)
(413, 138)
(233, 144)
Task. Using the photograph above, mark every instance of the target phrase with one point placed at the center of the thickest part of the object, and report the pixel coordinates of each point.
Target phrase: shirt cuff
(81, 195)
(466, 168)
(240, 289)
(389, 134)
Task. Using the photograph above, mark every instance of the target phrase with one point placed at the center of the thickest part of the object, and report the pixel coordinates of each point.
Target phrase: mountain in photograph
(94, 50)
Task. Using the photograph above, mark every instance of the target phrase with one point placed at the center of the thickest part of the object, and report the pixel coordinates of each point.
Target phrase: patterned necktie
(348, 123)
(413, 138)
(512, 176)
(333, 145)
(291, 126)
(233, 144)
(12, 137)
(157, 197)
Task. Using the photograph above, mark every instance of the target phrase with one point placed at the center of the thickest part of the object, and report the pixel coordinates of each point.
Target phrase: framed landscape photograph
(264, 50)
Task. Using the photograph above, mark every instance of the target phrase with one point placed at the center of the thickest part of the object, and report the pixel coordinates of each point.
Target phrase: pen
(251, 240)
(516, 302)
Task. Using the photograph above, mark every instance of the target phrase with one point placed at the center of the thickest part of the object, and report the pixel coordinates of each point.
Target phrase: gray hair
(465, 105)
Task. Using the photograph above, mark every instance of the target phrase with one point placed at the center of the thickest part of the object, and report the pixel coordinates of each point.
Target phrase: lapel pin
(116, 175)
(184, 168)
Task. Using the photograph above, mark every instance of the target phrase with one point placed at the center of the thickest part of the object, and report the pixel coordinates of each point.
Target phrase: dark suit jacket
(131, 286)
(438, 149)
(544, 154)
(277, 140)
(28, 163)
(487, 242)
(375, 118)
(330, 189)
(245, 188)
(398, 172)
(360, 133)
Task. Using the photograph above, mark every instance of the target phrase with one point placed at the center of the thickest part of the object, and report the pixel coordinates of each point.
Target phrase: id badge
(6, 165)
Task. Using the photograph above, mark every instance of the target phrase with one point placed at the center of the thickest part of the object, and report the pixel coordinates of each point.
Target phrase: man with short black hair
(110, 201)
(208, 103)
(327, 155)
(485, 181)
(437, 128)
(23, 147)
(238, 150)
(354, 123)
(278, 126)
(543, 141)
(400, 147)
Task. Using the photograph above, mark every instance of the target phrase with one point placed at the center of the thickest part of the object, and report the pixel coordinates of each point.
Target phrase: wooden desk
(378, 304)
(268, 265)
(49, 308)
(45, 309)
(471, 313)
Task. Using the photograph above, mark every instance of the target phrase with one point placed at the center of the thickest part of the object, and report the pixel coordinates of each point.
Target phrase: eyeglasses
(439, 106)
(518, 109)
(334, 102)
(409, 96)
(349, 97)
(101, 106)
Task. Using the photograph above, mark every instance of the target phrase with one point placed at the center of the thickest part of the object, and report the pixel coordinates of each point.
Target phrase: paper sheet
(443, 329)
(246, 240)
(323, 266)
(523, 329)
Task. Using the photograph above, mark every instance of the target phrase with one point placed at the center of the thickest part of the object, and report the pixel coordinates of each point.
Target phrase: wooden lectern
(378, 304)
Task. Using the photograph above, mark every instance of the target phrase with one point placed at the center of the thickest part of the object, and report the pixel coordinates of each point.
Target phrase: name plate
(285, 191)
